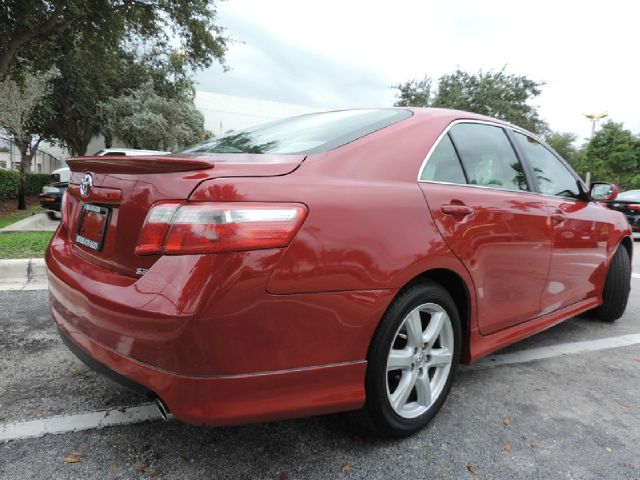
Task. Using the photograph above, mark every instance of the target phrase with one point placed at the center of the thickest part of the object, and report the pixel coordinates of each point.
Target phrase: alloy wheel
(419, 360)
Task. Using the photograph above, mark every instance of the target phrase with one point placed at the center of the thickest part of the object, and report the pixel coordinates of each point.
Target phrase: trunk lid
(120, 191)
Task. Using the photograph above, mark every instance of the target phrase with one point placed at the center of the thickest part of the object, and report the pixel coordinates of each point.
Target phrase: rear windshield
(305, 134)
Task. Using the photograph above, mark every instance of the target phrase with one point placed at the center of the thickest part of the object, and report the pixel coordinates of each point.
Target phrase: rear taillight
(634, 207)
(178, 229)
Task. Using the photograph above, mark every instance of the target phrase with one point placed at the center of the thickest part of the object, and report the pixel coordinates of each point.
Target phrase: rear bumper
(229, 399)
(216, 347)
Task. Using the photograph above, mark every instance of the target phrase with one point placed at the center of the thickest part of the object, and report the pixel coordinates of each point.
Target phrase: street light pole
(595, 118)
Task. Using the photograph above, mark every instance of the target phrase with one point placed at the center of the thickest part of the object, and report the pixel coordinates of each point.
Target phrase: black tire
(616, 288)
(377, 415)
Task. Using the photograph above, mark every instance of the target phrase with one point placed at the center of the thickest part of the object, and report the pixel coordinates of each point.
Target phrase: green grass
(24, 244)
(13, 217)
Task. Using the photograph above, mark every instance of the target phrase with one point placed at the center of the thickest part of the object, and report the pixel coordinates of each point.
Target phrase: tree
(94, 71)
(144, 119)
(414, 93)
(26, 26)
(563, 143)
(498, 95)
(613, 155)
(19, 104)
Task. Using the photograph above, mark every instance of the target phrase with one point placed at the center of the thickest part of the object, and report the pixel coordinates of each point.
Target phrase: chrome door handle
(558, 217)
(461, 210)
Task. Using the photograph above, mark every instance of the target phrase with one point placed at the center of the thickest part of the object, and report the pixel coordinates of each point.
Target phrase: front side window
(488, 157)
(553, 177)
(443, 164)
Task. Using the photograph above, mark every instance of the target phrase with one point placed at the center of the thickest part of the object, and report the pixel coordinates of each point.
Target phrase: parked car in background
(51, 196)
(629, 203)
(127, 152)
(328, 262)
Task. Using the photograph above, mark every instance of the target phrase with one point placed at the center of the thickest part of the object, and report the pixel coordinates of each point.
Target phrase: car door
(579, 240)
(480, 199)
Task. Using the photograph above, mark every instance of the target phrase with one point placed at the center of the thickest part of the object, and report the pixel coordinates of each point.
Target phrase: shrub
(9, 181)
(34, 182)
(9, 184)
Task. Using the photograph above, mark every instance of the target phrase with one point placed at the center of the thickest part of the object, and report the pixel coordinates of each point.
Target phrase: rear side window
(443, 164)
(553, 177)
(488, 157)
(305, 134)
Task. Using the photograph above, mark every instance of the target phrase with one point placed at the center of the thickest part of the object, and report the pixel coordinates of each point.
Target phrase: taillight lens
(634, 207)
(218, 227)
(155, 228)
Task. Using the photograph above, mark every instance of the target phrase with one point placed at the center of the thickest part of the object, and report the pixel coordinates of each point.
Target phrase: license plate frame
(91, 210)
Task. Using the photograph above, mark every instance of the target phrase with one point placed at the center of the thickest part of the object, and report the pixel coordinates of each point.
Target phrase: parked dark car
(51, 197)
(629, 204)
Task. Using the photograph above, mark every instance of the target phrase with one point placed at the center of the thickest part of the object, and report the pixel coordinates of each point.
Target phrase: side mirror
(603, 192)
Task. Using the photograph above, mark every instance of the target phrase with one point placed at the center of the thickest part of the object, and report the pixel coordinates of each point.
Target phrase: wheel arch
(627, 243)
(458, 289)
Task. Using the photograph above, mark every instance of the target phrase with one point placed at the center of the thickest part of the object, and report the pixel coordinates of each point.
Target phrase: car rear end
(158, 277)
(51, 196)
(133, 262)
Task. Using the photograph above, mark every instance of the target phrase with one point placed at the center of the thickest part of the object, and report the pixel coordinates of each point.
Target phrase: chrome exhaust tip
(163, 409)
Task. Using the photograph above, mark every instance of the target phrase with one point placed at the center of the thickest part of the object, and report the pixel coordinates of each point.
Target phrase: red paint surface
(266, 334)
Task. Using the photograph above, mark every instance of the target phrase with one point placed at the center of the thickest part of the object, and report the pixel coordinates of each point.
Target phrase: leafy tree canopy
(21, 103)
(564, 144)
(37, 31)
(144, 119)
(613, 155)
(496, 94)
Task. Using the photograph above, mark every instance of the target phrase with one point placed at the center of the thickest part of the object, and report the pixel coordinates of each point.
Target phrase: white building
(223, 113)
(47, 158)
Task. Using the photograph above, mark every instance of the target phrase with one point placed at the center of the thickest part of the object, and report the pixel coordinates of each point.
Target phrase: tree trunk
(108, 141)
(27, 151)
(25, 161)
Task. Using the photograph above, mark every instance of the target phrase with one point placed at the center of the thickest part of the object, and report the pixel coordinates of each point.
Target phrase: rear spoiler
(142, 164)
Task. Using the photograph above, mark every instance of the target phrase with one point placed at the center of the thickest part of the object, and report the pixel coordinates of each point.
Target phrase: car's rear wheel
(616, 288)
(412, 361)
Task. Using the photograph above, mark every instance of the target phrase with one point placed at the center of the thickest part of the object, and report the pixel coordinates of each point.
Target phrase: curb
(23, 274)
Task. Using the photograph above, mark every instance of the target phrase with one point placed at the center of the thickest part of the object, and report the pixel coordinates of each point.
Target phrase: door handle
(558, 217)
(460, 210)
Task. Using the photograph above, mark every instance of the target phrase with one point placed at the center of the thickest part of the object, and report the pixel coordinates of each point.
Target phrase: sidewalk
(23, 274)
(39, 222)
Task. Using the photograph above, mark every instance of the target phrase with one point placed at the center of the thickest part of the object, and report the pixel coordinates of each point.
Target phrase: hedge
(9, 180)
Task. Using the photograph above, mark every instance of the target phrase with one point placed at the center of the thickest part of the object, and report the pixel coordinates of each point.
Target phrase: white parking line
(148, 412)
(635, 275)
(78, 422)
(562, 349)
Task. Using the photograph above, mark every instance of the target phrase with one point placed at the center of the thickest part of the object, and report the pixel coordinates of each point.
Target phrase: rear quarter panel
(368, 225)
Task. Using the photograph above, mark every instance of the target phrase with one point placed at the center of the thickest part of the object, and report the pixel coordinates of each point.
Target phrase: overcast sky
(339, 54)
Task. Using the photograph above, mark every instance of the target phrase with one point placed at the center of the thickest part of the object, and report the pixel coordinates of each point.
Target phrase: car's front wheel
(412, 360)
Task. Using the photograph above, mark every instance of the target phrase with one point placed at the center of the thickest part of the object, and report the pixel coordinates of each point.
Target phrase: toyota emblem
(85, 185)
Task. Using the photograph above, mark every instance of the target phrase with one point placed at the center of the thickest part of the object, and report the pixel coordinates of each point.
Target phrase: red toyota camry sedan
(336, 261)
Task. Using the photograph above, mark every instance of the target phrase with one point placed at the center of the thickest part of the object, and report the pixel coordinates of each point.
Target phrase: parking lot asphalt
(571, 416)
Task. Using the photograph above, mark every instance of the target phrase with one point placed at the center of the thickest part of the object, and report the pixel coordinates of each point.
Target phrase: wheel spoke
(403, 390)
(423, 389)
(440, 357)
(414, 329)
(434, 328)
(399, 359)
